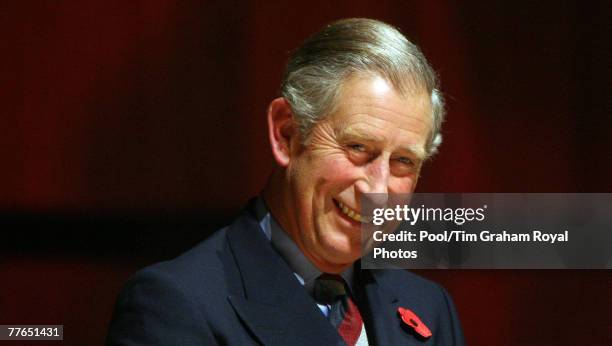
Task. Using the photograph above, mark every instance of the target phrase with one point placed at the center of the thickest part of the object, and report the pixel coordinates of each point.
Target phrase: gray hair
(315, 72)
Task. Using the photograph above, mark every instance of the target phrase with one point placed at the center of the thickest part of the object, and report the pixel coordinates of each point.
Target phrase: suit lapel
(377, 306)
(273, 304)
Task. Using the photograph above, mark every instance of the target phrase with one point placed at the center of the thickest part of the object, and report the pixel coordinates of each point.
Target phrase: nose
(374, 185)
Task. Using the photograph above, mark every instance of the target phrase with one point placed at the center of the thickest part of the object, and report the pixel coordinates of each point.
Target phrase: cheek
(340, 172)
(402, 184)
(319, 177)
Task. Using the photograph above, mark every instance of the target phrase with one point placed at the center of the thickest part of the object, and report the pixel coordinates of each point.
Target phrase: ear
(281, 129)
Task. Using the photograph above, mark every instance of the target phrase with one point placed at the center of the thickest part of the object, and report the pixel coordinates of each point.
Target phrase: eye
(358, 153)
(357, 147)
(404, 166)
(406, 161)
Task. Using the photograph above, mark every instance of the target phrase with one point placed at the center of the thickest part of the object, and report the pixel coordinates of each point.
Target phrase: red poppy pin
(411, 319)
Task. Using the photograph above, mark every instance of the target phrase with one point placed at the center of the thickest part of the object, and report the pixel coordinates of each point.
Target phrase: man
(359, 114)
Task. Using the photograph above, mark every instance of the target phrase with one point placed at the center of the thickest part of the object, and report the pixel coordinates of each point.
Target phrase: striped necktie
(344, 316)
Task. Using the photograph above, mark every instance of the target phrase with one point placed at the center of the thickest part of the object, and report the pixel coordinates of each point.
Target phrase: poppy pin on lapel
(411, 319)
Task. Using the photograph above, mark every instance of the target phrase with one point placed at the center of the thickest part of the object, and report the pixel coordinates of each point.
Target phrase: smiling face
(373, 142)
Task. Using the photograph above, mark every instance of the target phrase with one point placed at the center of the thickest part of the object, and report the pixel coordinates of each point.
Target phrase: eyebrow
(355, 133)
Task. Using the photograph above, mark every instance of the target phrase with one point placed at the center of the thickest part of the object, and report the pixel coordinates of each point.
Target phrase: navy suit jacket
(234, 289)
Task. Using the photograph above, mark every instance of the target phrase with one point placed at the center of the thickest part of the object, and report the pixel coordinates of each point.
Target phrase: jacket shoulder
(180, 299)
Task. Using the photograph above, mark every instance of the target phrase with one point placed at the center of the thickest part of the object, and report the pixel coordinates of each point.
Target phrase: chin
(342, 254)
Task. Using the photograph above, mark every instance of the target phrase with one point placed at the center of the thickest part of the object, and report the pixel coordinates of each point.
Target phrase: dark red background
(131, 130)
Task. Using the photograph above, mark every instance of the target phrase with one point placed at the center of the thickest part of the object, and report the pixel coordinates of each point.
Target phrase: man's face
(374, 142)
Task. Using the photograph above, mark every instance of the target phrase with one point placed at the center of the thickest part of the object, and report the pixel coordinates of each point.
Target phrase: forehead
(371, 107)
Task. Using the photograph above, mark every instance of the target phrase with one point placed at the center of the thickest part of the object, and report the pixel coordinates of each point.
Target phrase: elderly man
(359, 114)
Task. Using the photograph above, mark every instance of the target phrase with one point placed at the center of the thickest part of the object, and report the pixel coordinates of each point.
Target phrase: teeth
(351, 213)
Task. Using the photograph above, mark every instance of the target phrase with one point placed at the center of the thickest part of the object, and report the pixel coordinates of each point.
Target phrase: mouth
(351, 213)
